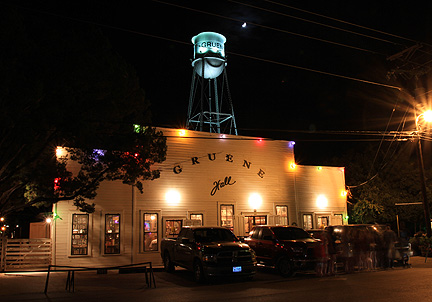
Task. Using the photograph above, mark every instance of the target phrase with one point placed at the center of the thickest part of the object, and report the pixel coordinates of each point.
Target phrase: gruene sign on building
(207, 179)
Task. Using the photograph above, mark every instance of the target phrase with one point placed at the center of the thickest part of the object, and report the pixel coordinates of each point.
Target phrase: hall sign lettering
(212, 157)
(220, 183)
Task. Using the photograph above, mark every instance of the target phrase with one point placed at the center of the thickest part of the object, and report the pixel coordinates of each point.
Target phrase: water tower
(210, 106)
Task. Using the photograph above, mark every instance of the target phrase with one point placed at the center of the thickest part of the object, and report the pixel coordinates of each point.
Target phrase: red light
(56, 183)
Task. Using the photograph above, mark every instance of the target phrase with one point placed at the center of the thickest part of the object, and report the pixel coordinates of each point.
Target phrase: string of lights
(396, 137)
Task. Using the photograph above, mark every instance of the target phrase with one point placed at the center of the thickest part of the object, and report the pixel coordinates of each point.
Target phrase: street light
(427, 117)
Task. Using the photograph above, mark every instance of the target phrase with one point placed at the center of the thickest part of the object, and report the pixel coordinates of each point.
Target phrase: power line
(271, 139)
(386, 159)
(98, 24)
(401, 125)
(363, 183)
(342, 21)
(318, 71)
(316, 23)
(351, 24)
(188, 44)
(267, 27)
(341, 132)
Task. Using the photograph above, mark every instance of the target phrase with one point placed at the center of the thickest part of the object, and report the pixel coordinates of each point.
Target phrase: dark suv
(287, 248)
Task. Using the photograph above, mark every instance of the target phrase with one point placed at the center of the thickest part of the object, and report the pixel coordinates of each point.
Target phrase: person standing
(390, 239)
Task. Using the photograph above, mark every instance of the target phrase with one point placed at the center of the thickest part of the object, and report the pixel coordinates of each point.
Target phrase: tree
(366, 211)
(380, 178)
(62, 84)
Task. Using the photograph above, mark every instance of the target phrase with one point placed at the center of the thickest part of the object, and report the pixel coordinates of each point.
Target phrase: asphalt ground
(89, 285)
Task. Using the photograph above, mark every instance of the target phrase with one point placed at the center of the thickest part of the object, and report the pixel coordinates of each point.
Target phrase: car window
(214, 235)
(284, 233)
(189, 235)
(266, 234)
(182, 233)
(255, 233)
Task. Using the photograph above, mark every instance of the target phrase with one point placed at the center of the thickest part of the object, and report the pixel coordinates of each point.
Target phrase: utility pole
(411, 68)
(423, 188)
(422, 174)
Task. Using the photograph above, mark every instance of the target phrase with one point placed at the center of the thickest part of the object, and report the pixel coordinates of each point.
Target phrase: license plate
(237, 269)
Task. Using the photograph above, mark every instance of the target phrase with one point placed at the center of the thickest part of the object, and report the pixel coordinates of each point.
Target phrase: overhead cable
(267, 27)
(317, 23)
(342, 21)
(237, 54)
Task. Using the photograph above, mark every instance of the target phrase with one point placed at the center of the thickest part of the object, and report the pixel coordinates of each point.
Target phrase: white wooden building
(209, 179)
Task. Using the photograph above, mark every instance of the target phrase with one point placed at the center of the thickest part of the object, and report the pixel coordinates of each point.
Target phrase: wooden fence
(25, 254)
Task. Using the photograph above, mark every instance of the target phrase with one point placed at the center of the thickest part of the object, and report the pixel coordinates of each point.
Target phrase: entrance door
(250, 221)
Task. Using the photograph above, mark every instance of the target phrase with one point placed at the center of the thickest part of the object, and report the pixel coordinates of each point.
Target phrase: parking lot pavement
(421, 262)
(30, 286)
(21, 286)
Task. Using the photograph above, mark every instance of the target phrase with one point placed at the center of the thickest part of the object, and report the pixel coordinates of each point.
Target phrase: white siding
(113, 198)
(313, 182)
(255, 166)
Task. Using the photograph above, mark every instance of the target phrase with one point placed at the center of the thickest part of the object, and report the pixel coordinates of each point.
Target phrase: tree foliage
(366, 211)
(62, 84)
(381, 176)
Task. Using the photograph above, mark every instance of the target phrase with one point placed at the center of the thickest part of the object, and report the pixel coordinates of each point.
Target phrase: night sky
(288, 69)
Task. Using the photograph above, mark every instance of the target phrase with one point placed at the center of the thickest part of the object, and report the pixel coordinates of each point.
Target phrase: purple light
(291, 144)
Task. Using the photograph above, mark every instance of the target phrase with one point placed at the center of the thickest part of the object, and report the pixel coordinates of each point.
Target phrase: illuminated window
(338, 219)
(307, 221)
(112, 234)
(150, 232)
(173, 227)
(282, 214)
(197, 217)
(80, 223)
(227, 216)
(322, 221)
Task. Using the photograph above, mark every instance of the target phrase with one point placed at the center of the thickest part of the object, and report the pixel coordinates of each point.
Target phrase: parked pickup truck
(208, 251)
(286, 248)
